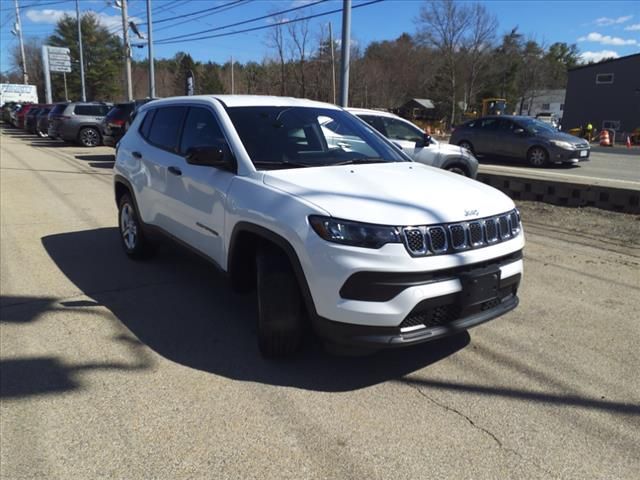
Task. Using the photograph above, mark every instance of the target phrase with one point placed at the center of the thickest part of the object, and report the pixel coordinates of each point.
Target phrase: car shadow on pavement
(183, 309)
(97, 158)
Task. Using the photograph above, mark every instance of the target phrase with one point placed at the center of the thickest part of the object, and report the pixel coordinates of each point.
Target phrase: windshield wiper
(281, 163)
(358, 161)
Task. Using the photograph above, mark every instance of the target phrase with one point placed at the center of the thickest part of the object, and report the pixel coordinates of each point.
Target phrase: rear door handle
(175, 171)
(136, 154)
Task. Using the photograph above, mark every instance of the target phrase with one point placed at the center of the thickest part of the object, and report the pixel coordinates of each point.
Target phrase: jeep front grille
(455, 237)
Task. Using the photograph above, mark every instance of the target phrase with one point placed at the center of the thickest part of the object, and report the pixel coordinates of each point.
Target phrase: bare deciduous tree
(443, 25)
(299, 33)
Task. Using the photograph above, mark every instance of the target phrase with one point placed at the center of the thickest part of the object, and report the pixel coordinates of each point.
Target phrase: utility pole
(127, 48)
(333, 62)
(152, 72)
(233, 86)
(345, 47)
(25, 76)
(84, 92)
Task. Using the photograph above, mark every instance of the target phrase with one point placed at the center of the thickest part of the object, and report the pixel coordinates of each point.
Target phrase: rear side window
(145, 128)
(165, 128)
(91, 110)
(374, 121)
(58, 109)
(200, 130)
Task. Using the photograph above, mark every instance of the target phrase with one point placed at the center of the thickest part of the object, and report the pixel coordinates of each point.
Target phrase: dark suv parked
(117, 121)
(78, 122)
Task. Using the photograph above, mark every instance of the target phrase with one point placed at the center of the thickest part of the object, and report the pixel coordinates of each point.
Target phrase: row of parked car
(89, 124)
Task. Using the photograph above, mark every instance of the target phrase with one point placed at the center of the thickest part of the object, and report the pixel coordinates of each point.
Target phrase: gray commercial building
(607, 94)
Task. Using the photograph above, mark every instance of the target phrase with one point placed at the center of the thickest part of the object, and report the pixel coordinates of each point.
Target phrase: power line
(212, 9)
(285, 22)
(37, 4)
(167, 27)
(271, 15)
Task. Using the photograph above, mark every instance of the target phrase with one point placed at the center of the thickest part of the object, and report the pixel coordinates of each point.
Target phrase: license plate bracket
(479, 286)
(584, 153)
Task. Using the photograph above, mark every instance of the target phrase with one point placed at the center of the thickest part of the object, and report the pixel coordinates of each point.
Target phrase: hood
(403, 193)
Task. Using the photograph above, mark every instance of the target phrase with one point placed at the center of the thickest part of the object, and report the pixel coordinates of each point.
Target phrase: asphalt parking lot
(116, 369)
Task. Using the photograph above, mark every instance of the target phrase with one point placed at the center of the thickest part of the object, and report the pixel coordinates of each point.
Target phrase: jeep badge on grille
(468, 213)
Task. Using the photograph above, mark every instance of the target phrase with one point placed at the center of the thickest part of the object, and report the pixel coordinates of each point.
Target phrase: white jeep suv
(356, 240)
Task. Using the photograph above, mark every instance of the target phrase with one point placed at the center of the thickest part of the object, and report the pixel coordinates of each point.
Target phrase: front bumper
(561, 155)
(390, 337)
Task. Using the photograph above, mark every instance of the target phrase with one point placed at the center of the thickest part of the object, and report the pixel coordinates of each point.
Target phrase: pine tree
(103, 56)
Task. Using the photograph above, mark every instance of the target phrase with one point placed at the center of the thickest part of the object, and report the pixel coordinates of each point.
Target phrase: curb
(568, 194)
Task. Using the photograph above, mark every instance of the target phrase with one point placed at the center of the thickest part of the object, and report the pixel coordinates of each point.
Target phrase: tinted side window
(374, 122)
(506, 125)
(200, 130)
(489, 123)
(165, 129)
(92, 110)
(145, 128)
(398, 130)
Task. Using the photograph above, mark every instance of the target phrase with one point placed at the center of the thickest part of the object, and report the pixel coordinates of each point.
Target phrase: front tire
(89, 137)
(280, 306)
(537, 157)
(133, 240)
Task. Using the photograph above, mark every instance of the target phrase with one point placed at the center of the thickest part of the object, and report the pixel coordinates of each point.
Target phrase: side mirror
(518, 131)
(425, 142)
(218, 156)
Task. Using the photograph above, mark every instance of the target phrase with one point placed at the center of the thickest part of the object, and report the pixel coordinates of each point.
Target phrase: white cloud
(50, 16)
(633, 28)
(597, 56)
(606, 21)
(47, 15)
(607, 39)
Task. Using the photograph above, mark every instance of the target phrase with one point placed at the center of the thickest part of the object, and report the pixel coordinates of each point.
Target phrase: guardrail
(566, 193)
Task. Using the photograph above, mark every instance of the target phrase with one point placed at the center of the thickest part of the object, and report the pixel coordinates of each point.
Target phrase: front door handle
(175, 171)
(136, 154)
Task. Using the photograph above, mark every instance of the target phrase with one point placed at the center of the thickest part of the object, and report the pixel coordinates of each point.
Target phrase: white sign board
(58, 50)
(54, 68)
(59, 59)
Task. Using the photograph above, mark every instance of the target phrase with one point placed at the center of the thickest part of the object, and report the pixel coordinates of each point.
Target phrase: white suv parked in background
(370, 248)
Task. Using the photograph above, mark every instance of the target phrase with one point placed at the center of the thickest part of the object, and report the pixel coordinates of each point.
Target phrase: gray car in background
(78, 122)
(520, 138)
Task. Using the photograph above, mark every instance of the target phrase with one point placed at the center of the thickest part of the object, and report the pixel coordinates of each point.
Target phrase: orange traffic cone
(604, 139)
(628, 142)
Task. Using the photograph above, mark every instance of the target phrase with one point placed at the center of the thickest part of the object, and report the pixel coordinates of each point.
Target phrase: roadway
(119, 369)
(617, 166)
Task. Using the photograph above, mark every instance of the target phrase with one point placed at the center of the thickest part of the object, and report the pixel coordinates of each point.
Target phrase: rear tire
(89, 137)
(537, 157)
(280, 306)
(134, 242)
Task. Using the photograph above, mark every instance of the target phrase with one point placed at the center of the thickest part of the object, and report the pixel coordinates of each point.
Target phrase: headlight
(561, 144)
(354, 233)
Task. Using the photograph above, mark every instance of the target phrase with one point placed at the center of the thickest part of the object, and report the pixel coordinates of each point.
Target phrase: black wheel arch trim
(285, 245)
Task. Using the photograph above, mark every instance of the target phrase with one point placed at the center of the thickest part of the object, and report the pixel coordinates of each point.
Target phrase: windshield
(288, 137)
(535, 126)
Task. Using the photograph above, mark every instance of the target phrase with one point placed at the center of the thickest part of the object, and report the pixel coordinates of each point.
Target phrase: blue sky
(600, 29)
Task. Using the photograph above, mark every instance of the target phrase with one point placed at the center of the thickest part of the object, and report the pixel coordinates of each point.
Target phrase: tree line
(454, 57)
